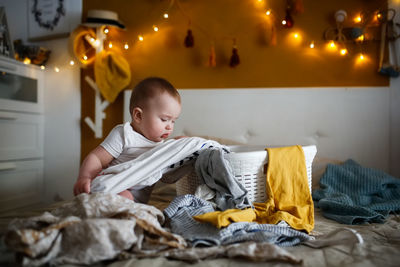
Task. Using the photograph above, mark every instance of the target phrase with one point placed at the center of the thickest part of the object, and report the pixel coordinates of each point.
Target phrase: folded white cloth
(148, 168)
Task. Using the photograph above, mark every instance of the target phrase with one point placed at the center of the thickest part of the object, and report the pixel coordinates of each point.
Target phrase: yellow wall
(288, 64)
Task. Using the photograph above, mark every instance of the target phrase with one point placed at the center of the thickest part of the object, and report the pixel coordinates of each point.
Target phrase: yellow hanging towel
(289, 197)
(112, 73)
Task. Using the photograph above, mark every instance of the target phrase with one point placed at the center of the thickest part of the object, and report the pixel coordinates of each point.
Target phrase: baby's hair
(149, 88)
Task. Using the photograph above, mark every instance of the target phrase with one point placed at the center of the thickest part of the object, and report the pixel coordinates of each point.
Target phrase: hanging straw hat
(96, 18)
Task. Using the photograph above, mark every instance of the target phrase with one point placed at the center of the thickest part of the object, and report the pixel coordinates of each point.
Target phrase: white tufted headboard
(343, 123)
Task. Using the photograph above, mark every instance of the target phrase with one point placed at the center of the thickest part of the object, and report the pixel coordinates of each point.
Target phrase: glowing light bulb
(106, 30)
(42, 67)
(165, 15)
(126, 46)
(27, 61)
(360, 38)
(56, 69)
(268, 12)
(85, 57)
(378, 16)
(296, 36)
(92, 40)
(155, 28)
(332, 44)
(343, 51)
(361, 57)
(283, 22)
(312, 44)
(72, 63)
(140, 37)
(109, 45)
(358, 19)
(97, 42)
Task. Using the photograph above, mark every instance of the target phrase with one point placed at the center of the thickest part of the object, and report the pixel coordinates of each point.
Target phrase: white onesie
(125, 144)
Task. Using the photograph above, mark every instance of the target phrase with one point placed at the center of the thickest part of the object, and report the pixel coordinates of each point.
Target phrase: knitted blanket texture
(353, 194)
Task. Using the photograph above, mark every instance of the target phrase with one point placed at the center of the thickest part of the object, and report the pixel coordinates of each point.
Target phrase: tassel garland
(289, 20)
(189, 40)
(234, 58)
(212, 62)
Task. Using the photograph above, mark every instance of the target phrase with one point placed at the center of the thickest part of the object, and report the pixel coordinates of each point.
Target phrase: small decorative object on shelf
(6, 46)
(31, 54)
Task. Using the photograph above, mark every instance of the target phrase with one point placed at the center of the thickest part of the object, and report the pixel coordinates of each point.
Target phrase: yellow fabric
(289, 197)
(224, 218)
(80, 47)
(112, 73)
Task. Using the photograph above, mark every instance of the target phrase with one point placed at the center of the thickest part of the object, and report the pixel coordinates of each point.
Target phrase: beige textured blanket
(97, 227)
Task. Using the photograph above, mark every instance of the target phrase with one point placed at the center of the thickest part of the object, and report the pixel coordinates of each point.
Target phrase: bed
(374, 244)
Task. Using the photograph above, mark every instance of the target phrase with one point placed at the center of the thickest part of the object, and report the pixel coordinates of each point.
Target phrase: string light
(332, 45)
(27, 61)
(56, 69)
(360, 38)
(357, 19)
(42, 67)
(97, 42)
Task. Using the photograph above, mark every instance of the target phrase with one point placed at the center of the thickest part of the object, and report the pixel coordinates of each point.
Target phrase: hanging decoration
(111, 70)
(234, 61)
(189, 40)
(270, 28)
(82, 43)
(288, 22)
(212, 60)
(85, 40)
(42, 18)
(112, 74)
(389, 34)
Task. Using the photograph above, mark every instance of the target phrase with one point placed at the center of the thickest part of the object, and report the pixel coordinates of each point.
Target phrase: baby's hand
(180, 137)
(82, 185)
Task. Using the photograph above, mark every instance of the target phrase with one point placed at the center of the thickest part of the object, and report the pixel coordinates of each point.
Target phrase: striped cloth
(352, 194)
(183, 208)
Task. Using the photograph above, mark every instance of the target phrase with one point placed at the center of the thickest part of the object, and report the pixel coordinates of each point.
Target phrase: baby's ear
(137, 115)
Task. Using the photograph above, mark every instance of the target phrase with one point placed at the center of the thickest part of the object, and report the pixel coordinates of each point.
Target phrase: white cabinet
(21, 134)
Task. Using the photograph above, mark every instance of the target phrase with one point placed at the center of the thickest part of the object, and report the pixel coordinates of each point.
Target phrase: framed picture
(48, 19)
(6, 45)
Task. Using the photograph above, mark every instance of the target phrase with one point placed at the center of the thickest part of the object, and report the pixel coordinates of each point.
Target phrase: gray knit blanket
(353, 194)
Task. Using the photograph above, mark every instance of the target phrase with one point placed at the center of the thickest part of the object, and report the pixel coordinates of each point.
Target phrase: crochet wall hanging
(111, 70)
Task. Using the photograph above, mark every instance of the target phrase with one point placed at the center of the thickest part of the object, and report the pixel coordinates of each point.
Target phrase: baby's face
(159, 116)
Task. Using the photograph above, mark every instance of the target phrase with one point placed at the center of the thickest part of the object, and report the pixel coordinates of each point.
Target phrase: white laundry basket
(249, 167)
